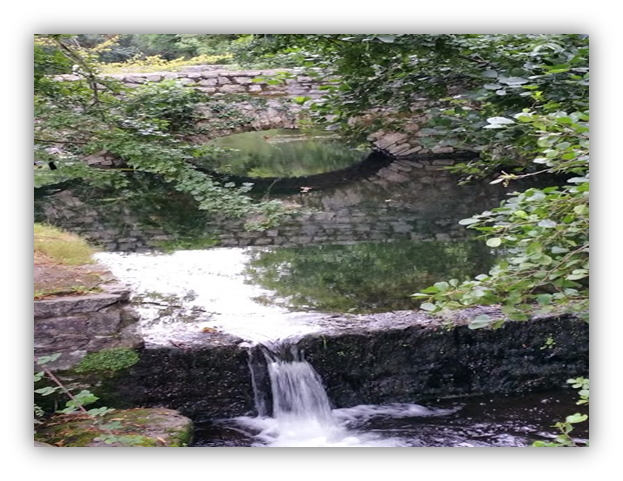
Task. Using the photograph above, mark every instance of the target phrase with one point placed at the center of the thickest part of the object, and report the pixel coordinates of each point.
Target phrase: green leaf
(46, 391)
(500, 121)
(494, 242)
(46, 359)
(544, 299)
(547, 223)
(468, 221)
(427, 306)
(513, 81)
(431, 290)
(480, 322)
(576, 418)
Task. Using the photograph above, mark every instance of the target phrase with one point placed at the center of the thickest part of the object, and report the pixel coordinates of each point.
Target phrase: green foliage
(565, 439)
(113, 359)
(115, 48)
(166, 101)
(521, 102)
(76, 401)
(143, 130)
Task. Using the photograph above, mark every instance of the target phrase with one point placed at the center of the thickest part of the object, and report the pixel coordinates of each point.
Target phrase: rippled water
(485, 421)
(302, 416)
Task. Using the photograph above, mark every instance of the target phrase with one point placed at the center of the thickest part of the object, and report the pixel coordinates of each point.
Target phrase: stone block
(402, 166)
(61, 326)
(400, 149)
(242, 80)
(65, 306)
(442, 150)
(443, 162)
(412, 150)
(232, 89)
(388, 140)
(263, 241)
(135, 79)
(105, 322)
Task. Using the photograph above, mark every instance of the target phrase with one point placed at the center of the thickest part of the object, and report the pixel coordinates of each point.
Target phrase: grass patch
(64, 264)
(62, 247)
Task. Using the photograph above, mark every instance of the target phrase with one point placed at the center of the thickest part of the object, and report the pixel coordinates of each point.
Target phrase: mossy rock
(137, 428)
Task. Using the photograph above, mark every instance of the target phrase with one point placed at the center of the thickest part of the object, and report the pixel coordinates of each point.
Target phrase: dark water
(285, 153)
(295, 411)
(485, 421)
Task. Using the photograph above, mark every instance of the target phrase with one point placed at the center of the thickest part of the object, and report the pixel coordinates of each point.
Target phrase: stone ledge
(68, 305)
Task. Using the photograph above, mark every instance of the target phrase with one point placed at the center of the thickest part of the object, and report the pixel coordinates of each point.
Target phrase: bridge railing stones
(223, 81)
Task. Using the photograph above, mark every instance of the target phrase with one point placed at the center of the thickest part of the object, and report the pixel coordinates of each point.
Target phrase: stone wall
(76, 325)
(404, 356)
(241, 89)
(209, 80)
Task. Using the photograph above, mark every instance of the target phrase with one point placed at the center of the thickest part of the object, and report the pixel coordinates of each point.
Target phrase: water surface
(267, 293)
(285, 153)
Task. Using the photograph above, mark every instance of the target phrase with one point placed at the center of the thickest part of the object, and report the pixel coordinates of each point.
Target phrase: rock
(65, 306)
(133, 428)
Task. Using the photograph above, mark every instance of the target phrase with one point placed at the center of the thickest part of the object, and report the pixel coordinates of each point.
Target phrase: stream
(379, 241)
(272, 296)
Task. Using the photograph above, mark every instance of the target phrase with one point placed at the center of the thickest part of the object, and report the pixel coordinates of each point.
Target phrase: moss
(179, 438)
(142, 427)
(113, 359)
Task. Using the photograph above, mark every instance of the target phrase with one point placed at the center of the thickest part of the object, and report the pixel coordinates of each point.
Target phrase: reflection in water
(284, 153)
(363, 277)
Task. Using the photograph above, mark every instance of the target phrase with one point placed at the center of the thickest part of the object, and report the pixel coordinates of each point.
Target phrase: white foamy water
(210, 284)
(213, 282)
(302, 414)
(307, 431)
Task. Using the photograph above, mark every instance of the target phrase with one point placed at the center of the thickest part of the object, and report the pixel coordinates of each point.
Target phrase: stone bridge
(248, 100)
(400, 191)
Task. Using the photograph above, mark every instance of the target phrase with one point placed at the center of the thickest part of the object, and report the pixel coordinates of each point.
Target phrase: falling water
(296, 411)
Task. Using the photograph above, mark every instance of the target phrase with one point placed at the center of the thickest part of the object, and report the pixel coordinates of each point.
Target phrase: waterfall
(297, 391)
(300, 408)
(293, 409)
